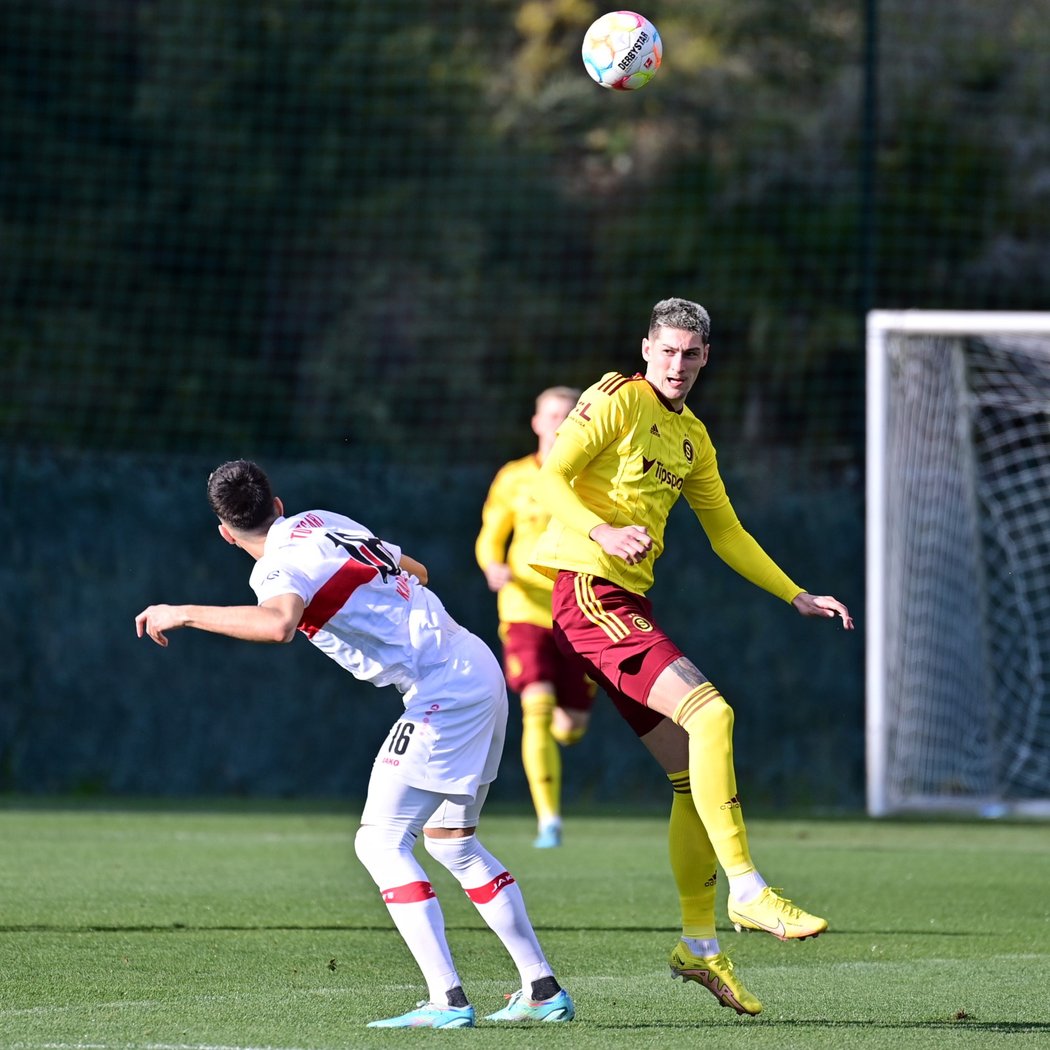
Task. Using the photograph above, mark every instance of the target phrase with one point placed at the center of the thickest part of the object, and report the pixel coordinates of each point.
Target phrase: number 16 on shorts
(397, 742)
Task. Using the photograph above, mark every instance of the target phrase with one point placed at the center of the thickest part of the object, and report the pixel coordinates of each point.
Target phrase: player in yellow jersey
(623, 457)
(556, 697)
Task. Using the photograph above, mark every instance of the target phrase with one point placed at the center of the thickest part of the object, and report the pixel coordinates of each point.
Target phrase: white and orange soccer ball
(622, 50)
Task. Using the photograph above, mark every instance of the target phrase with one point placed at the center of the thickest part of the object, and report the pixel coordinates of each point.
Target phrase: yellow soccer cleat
(715, 973)
(774, 914)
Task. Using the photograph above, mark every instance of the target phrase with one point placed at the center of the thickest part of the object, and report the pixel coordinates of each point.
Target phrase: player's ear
(278, 506)
(645, 349)
(226, 534)
(703, 356)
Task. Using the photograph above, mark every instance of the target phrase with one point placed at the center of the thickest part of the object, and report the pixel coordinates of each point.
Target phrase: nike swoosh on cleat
(777, 931)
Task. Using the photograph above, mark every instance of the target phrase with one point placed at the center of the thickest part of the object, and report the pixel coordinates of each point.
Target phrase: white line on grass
(152, 1004)
(54, 1008)
(140, 1046)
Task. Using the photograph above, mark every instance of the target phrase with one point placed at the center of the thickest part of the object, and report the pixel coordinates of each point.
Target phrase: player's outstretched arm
(823, 605)
(275, 620)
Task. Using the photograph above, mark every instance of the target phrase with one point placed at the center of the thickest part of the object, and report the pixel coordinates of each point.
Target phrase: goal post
(958, 562)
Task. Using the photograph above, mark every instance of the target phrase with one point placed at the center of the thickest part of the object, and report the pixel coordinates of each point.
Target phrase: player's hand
(823, 605)
(497, 575)
(157, 619)
(629, 542)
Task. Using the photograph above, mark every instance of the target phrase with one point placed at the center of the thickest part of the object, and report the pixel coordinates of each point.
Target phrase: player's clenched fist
(629, 542)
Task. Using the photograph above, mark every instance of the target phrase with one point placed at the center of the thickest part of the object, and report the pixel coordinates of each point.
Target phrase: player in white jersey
(365, 604)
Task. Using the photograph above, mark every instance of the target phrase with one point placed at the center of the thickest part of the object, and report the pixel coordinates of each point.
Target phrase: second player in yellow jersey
(511, 523)
(556, 695)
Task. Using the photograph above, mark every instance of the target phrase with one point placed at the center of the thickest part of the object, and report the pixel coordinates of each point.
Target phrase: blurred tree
(309, 225)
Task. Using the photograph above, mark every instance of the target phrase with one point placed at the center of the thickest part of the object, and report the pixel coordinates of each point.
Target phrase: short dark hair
(683, 314)
(239, 492)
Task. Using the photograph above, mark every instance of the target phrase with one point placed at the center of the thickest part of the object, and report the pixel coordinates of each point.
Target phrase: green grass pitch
(222, 927)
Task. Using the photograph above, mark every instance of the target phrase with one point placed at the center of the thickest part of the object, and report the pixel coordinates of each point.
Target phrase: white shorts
(450, 739)
(393, 804)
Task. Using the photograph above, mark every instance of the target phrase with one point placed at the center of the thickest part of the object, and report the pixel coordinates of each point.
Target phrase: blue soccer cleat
(549, 837)
(520, 1008)
(429, 1015)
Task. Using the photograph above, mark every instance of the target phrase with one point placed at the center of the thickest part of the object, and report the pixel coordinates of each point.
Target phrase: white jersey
(362, 609)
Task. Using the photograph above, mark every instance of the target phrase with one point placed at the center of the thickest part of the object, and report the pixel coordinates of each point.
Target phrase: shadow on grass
(349, 927)
(815, 1024)
(180, 927)
(939, 1025)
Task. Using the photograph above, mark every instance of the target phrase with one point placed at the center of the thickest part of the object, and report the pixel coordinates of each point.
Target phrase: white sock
(705, 947)
(744, 888)
(422, 926)
(412, 904)
(496, 895)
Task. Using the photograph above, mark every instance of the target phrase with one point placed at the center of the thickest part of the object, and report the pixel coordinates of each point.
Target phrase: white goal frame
(879, 324)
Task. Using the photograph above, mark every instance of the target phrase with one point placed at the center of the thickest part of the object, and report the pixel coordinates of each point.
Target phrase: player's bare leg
(569, 726)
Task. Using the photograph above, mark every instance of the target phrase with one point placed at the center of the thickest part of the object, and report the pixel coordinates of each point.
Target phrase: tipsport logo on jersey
(662, 474)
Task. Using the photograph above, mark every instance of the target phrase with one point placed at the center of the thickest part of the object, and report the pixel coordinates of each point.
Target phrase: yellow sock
(539, 753)
(692, 861)
(708, 720)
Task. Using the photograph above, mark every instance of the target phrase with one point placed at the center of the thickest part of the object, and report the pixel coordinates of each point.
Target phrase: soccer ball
(622, 50)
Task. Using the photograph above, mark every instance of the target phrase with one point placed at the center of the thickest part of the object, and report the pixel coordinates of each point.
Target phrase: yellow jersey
(511, 522)
(624, 456)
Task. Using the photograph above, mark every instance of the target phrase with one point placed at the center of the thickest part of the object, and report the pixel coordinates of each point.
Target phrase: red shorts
(613, 631)
(530, 654)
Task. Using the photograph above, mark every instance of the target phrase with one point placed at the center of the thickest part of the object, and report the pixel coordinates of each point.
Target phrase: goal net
(958, 562)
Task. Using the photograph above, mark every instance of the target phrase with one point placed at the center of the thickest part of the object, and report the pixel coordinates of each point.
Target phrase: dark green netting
(357, 238)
